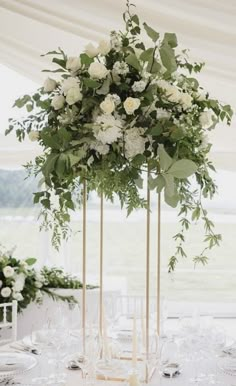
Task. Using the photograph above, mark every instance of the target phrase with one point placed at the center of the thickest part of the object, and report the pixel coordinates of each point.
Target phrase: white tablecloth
(184, 379)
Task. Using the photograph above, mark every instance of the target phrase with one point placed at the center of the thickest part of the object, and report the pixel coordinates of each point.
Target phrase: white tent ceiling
(29, 28)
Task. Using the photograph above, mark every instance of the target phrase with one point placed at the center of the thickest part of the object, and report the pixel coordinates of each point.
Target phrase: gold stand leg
(147, 274)
(84, 261)
(158, 261)
(101, 267)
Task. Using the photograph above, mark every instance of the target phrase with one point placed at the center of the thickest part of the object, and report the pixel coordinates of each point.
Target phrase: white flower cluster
(103, 48)
(174, 95)
(134, 142)
(139, 86)
(120, 68)
(17, 284)
(110, 129)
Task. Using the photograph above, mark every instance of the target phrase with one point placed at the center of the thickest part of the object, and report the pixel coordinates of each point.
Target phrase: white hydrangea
(162, 113)
(38, 284)
(100, 148)
(19, 282)
(110, 129)
(163, 84)
(139, 86)
(134, 142)
(121, 68)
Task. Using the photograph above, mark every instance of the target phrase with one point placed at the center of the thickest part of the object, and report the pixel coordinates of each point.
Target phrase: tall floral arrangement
(120, 109)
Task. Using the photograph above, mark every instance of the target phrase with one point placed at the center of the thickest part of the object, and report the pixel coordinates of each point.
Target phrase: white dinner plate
(12, 364)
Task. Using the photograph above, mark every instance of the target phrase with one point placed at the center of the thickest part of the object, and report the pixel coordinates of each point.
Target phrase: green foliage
(143, 110)
(26, 284)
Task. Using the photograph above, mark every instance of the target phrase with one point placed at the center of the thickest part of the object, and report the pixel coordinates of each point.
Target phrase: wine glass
(170, 359)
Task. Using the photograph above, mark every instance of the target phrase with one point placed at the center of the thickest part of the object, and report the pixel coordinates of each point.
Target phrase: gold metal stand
(101, 306)
(84, 261)
(147, 272)
(158, 261)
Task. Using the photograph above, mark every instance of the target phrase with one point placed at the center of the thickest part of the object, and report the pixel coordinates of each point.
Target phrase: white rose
(18, 296)
(8, 271)
(73, 63)
(74, 95)
(104, 47)
(6, 292)
(108, 105)
(69, 83)
(97, 70)
(0, 283)
(33, 135)
(173, 94)
(91, 50)
(185, 100)
(38, 284)
(58, 102)
(49, 85)
(131, 104)
(201, 96)
(206, 119)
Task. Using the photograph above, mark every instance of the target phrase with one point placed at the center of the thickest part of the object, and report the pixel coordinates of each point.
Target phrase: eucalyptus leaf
(104, 90)
(165, 160)
(168, 58)
(154, 35)
(183, 168)
(160, 183)
(91, 83)
(139, 182)
(169, 184)
(30, 260)
(133, 61)
(171, 200)
(171, 39)
(147, 55)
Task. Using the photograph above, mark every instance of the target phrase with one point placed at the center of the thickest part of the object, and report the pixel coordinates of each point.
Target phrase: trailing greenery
(115, 113)
(19, 280)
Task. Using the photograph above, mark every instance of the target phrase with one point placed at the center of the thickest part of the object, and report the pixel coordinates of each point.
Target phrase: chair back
(7, 309)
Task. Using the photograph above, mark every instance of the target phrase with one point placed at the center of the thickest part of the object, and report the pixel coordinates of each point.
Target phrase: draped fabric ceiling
(29, 28)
